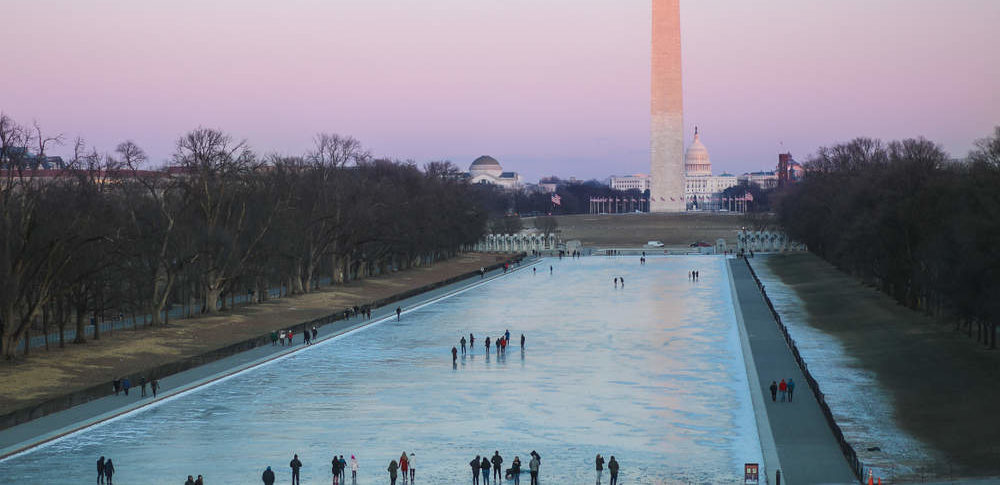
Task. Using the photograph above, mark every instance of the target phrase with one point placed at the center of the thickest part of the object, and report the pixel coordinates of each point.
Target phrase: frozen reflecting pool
(652, 374)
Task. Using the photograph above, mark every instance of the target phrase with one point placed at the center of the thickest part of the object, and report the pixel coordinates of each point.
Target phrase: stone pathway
(800, 443)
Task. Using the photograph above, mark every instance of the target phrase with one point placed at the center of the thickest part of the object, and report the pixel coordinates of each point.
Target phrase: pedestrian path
(805, 446)
(53, 426)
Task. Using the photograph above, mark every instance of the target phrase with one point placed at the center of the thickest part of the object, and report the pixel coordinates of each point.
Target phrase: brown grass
(47, 374)
(633, 230)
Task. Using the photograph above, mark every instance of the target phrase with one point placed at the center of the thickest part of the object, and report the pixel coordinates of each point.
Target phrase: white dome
(486, 165)
(696, 161)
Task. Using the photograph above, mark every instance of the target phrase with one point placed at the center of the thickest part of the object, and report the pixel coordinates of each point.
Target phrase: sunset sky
(545, 86)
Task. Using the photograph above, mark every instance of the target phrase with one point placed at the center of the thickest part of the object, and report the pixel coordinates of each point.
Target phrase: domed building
(696, 161)
(702, 190)
(487, 170)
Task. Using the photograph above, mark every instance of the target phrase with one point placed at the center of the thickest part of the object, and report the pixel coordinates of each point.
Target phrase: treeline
(104, 236)
(574, 199)
(907, 219)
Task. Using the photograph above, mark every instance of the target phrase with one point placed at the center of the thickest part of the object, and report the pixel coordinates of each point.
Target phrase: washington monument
(666, 132)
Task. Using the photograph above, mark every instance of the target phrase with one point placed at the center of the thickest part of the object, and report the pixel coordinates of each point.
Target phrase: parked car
(655, 244)
(700, 244)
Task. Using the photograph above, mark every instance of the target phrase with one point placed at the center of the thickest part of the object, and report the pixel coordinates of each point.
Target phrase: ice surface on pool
(652, 374)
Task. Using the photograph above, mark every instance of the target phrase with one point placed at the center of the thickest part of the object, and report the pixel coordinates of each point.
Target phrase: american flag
(556, 199)
(748, 197)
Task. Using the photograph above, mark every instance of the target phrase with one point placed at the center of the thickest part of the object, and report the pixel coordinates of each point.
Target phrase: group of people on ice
(500, 343)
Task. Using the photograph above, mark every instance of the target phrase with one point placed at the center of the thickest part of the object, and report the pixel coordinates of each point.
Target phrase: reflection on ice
(651, 374)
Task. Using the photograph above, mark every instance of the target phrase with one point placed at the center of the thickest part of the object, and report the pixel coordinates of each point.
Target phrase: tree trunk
(81, 329)
(295, 280)
(212, 299)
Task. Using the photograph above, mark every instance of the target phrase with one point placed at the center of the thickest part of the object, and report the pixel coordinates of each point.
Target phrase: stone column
(666, 110)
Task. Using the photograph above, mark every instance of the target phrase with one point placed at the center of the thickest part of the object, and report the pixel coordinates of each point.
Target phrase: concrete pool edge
(769, 449)
(47, 429)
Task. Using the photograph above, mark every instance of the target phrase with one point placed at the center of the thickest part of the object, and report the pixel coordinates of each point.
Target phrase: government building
(487, 170)
(702, 190)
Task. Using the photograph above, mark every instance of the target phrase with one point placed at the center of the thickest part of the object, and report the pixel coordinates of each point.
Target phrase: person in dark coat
(484, 468)
(109, 471)
(142, 385)
(393, 467)
(497, 470)
(267, 477)
(126, 385)
(100, 470)
(454, 355)
(190, 480)
(599, 462)
(774, 391)
(522, 341)
(154, 385)
(335, 463)
(613, 469)
(296, 465)
(117, 384)
(515, 470)
(791, 388)
(475, 470)
(399, 311)
(199, 481)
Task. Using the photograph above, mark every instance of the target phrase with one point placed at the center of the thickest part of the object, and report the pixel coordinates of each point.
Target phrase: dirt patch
(944, 385)
(634, 230)
(47, 374)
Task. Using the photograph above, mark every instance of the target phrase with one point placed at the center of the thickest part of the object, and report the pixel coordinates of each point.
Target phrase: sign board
(750, 473)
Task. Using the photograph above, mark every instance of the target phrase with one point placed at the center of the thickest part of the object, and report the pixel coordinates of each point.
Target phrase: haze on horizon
(555, 87)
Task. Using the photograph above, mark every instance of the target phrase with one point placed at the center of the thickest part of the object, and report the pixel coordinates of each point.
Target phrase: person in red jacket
(404, 465)
(783, 389)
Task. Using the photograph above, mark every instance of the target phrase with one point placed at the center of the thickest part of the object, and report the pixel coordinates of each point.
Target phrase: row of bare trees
(106, 235)
(903, 216)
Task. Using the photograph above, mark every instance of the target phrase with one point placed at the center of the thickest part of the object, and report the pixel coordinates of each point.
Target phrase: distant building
(487, 170)
(23, 158)
(766, 180)
(638, 182)
(702, 190)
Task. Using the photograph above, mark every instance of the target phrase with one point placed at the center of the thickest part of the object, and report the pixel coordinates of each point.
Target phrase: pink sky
(547, 87)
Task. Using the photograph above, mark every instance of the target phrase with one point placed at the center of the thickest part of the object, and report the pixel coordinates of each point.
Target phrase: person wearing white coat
(413, 469)
(354, 469)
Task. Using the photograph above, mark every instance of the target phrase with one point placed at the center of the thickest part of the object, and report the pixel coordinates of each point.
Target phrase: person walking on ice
(413, 470)
(475, 470)
(497, 470)
(109, 471)
(774, 391)
(392, 472)
(295, 465)
(354, 469)
(782, 389)
(484, 468)
(463, 344)
(454, 360)
(613, 470)
(404, 464)
(267, 477)
(399, 311)
(533, 466)
(599, 461)
(791, 388)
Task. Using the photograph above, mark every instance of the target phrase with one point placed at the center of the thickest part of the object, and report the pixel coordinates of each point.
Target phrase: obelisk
(666, 137)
